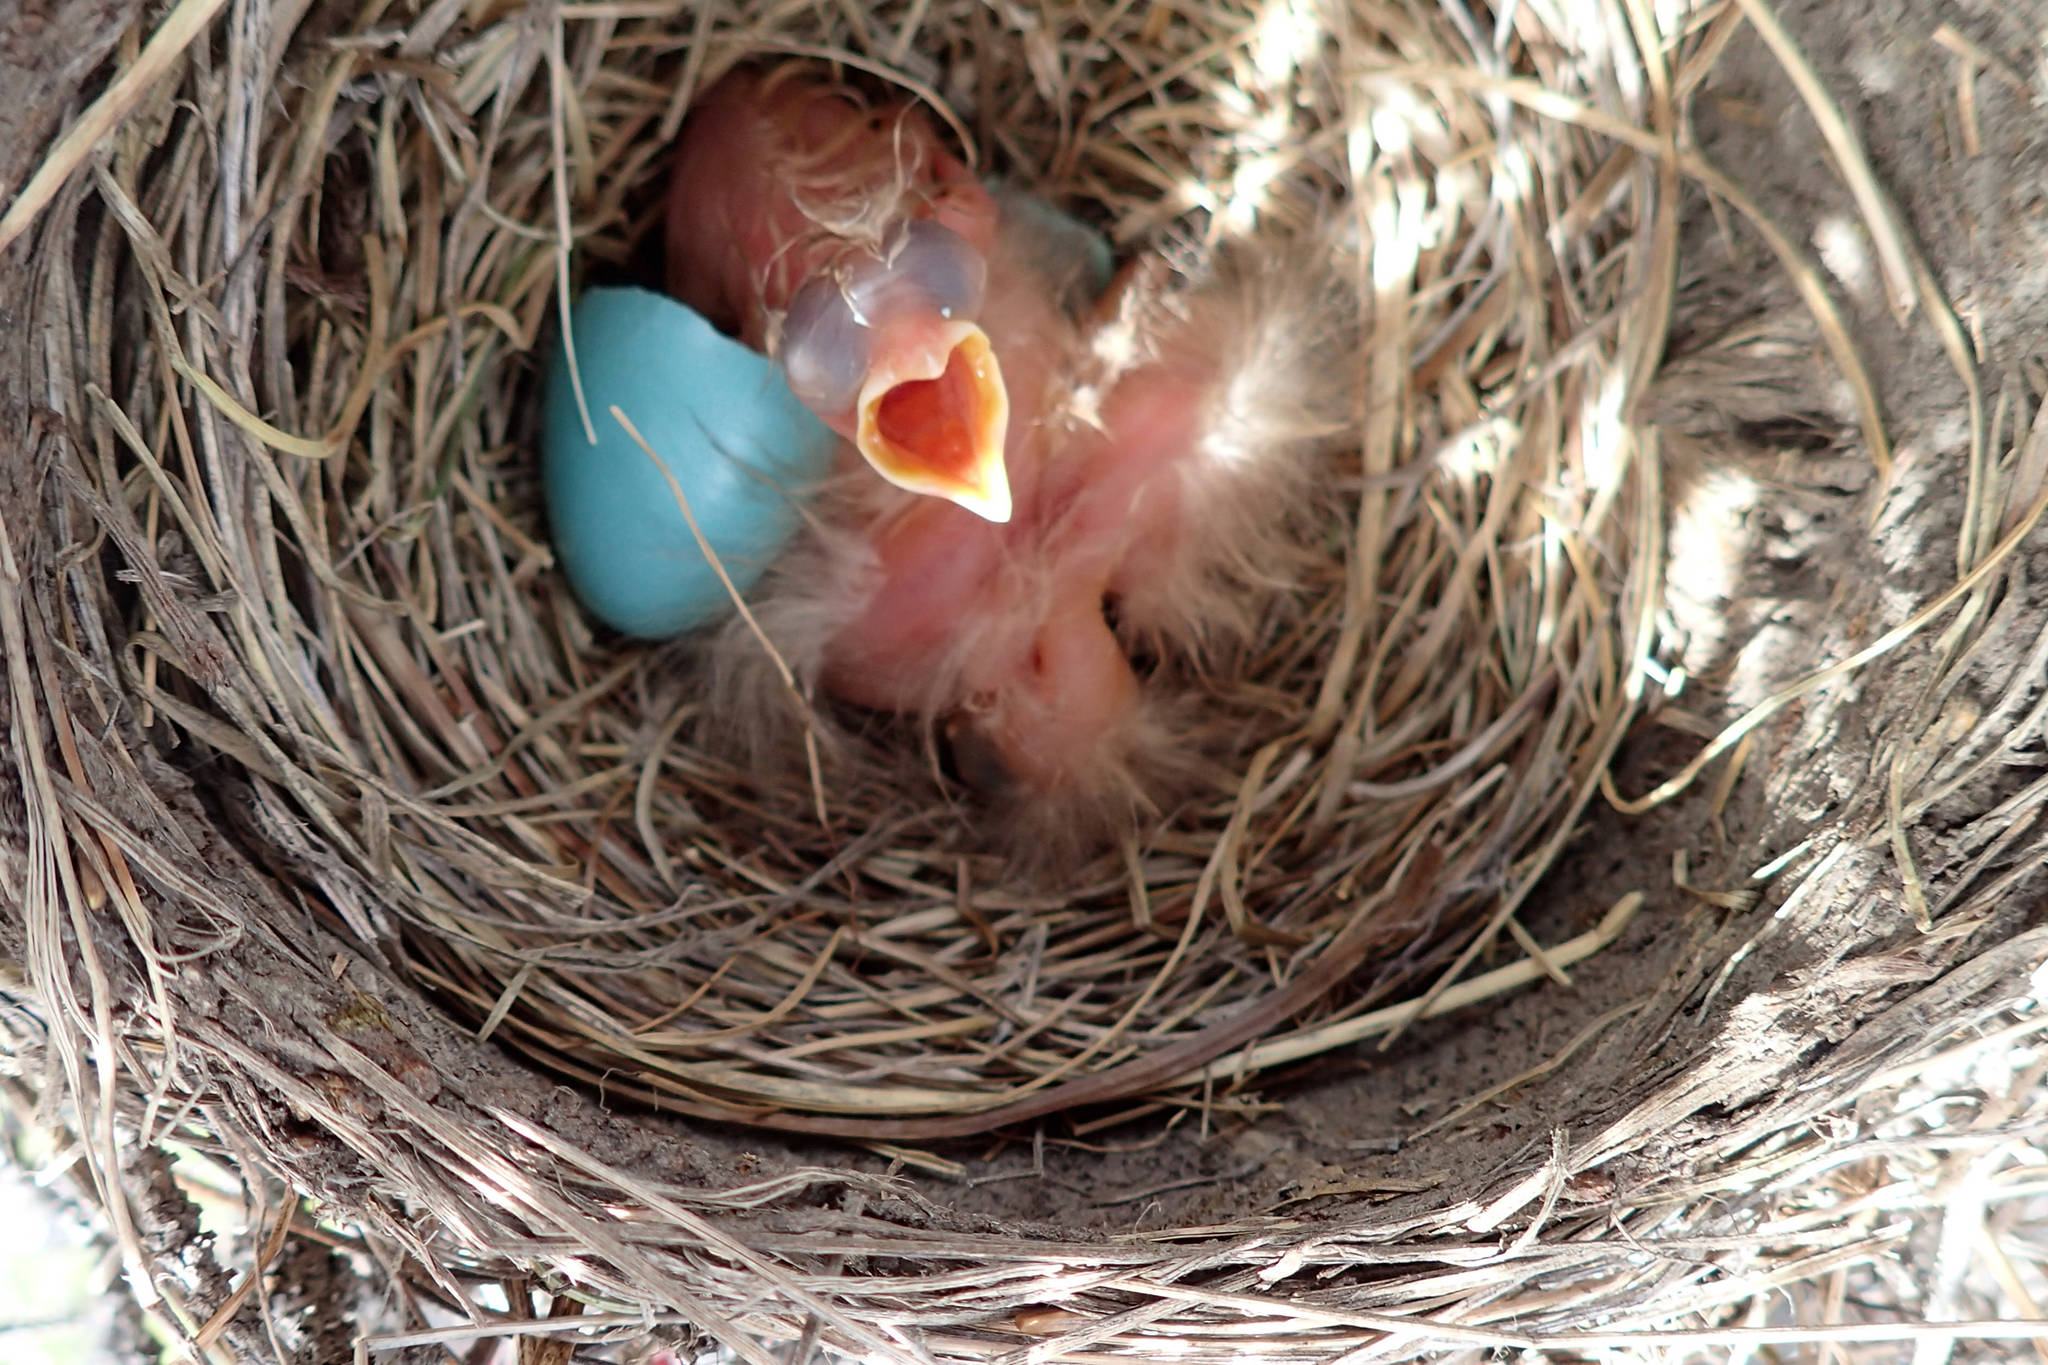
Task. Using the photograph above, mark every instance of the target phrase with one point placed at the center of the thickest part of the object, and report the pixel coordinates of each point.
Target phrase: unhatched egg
(721, 419)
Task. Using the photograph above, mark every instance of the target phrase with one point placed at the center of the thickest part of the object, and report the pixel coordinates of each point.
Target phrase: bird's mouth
(933, 412)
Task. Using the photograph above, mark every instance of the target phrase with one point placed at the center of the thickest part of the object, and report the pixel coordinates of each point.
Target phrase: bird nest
(534, 820)
(340, 773)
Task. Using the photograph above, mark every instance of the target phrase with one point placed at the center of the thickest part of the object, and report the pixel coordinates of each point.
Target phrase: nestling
(1066, 479)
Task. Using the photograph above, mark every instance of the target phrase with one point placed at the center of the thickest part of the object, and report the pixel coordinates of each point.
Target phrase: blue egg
(720, 417)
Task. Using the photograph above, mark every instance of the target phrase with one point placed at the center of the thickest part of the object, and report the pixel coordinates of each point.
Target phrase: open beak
(933, 412)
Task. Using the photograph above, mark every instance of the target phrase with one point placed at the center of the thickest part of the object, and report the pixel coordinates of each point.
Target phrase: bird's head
(885, 346)
(851, 244)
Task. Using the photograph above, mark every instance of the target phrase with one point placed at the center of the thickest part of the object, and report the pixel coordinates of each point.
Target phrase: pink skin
(1041, 677)
(1109, 508)
(1046, 682)
(786, 190)
(757, 149)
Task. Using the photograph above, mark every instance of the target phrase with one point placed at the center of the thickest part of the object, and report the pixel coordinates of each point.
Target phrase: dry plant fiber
(350, 853)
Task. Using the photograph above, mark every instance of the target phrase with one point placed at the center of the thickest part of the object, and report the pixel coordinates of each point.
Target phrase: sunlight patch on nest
(1710, 547)
(1844, 249)
(1608, 436)
(1285, 36)
(1280, 43)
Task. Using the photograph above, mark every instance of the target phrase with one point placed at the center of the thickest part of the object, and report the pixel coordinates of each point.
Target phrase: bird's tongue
(933, 413)
(931, 418)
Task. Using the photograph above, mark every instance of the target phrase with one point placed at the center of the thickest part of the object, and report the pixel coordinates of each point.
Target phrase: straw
(478, 816)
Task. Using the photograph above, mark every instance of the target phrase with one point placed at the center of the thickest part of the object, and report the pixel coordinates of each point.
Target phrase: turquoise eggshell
(745, 452)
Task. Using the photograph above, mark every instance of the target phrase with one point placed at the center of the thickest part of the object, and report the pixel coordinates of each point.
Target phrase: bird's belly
(939, 571)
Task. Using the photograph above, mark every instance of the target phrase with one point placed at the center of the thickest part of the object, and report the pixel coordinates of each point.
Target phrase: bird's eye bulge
(824, 349)
(927, 265)
(952, 275)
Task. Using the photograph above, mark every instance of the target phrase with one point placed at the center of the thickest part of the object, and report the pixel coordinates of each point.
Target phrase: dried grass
(524, 813)
(338, 601)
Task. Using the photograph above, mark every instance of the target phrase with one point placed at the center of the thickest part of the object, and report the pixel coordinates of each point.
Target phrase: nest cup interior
(525, 813)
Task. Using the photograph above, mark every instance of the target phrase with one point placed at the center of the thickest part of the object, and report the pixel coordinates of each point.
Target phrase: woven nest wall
(350, 860)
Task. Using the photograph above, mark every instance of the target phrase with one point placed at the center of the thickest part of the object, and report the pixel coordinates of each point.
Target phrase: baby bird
(1154, 447)
(852, 247)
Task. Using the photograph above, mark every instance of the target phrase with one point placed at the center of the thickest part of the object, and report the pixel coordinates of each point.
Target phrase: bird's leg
(1008, 644)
